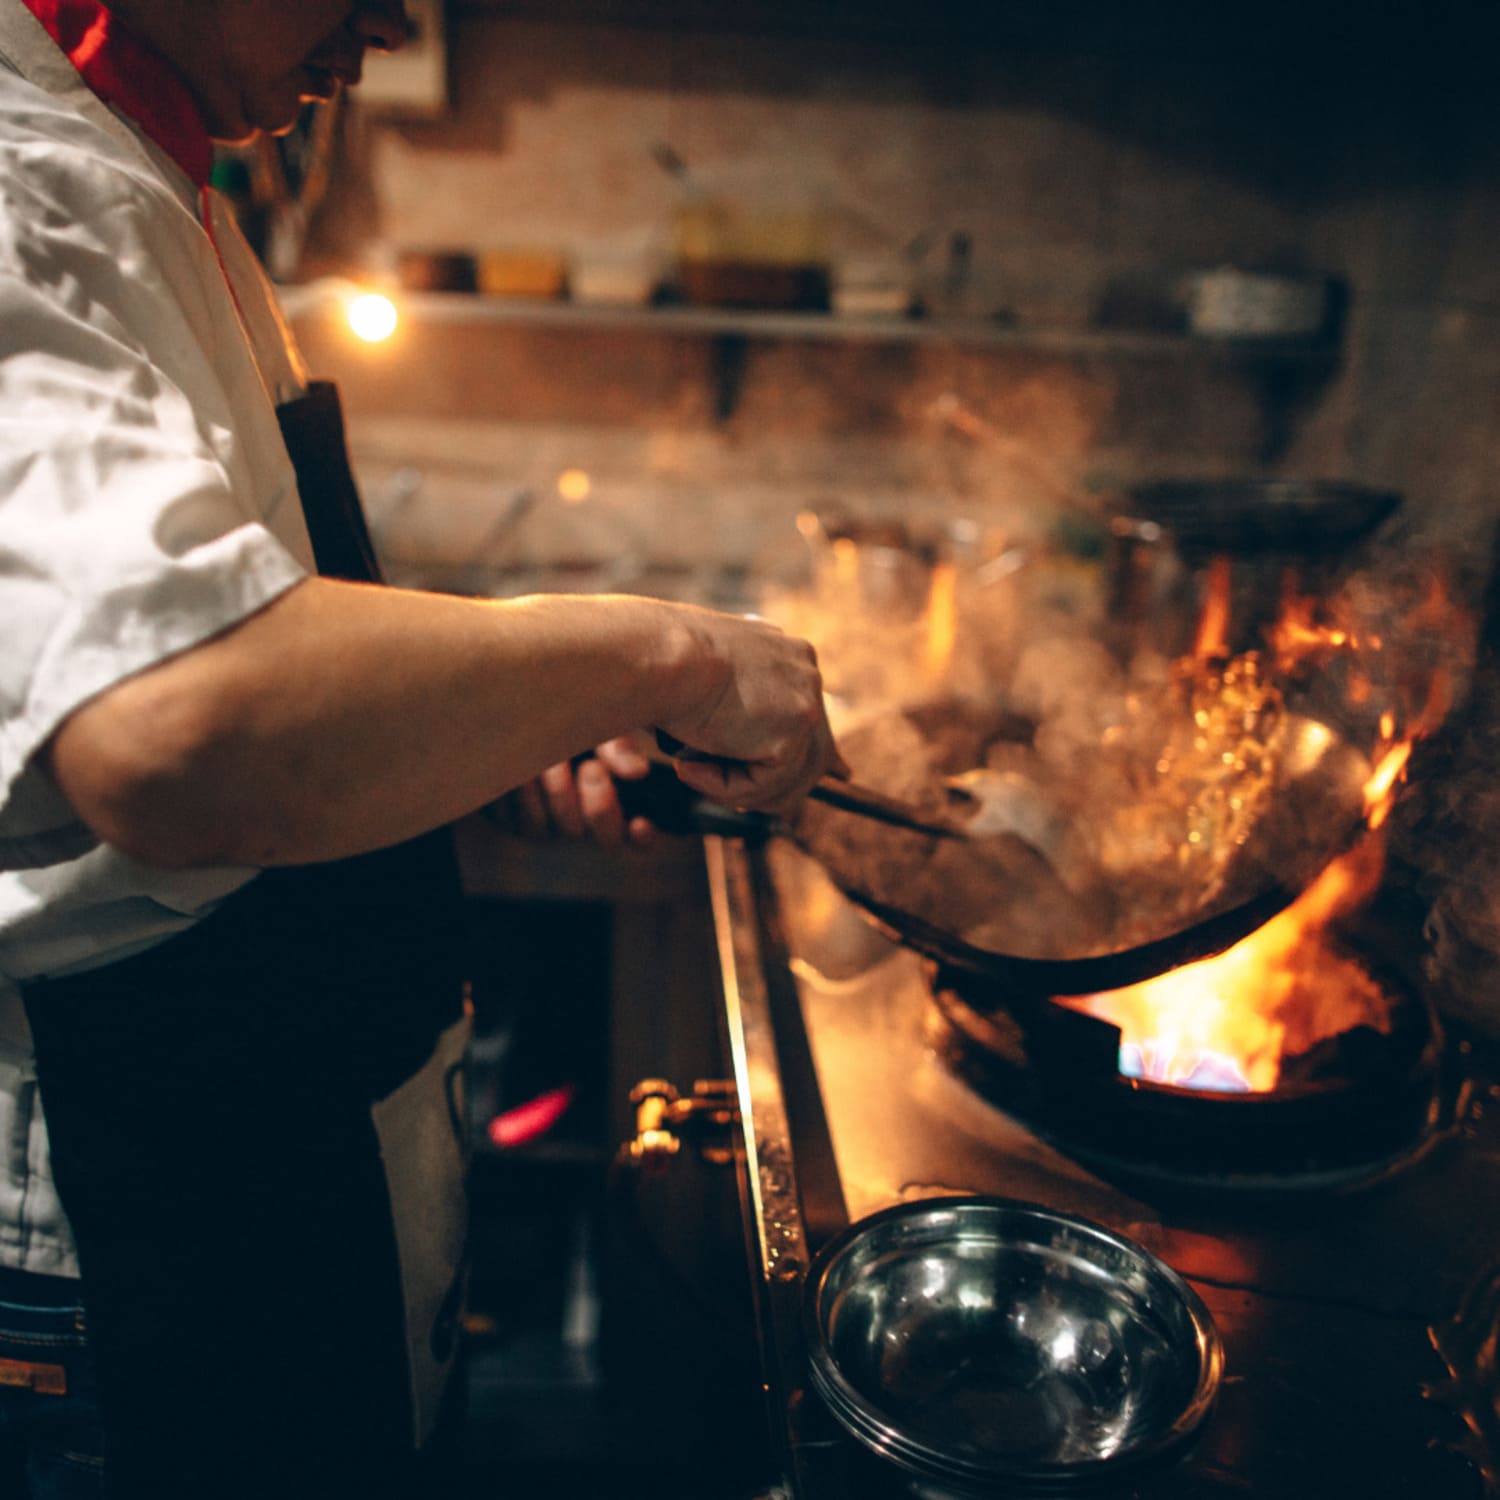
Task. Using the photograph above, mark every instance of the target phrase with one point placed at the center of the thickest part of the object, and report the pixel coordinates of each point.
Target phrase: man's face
(274, 54)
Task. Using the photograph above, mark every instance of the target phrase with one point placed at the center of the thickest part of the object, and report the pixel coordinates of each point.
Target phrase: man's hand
(578, 799)
(763, 741)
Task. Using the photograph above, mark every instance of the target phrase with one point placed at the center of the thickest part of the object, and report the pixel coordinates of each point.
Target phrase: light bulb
(371, 316)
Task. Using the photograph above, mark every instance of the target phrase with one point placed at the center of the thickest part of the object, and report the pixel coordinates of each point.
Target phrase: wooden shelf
(469, 308)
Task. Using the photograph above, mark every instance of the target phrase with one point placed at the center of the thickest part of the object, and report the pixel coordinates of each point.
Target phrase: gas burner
(1357, 1109)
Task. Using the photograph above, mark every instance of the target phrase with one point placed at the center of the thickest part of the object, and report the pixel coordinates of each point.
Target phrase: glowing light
(530, 1121)
(574, 486)
(1316, 740)
(372, 317)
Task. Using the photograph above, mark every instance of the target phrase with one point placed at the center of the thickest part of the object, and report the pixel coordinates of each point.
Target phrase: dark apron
(212, 1106)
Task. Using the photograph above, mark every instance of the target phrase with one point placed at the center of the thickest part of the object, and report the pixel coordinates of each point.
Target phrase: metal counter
(1360, 1320)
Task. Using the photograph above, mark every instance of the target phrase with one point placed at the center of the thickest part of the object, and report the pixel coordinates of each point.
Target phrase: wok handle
(676, 808)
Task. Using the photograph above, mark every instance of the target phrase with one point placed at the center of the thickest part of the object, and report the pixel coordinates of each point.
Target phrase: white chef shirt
(147, 502)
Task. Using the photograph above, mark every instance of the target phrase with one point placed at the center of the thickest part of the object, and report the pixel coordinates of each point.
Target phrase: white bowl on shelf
(613, 281)
(1231, 303)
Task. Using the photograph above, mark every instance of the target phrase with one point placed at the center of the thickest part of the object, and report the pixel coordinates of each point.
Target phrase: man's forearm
(344, 717)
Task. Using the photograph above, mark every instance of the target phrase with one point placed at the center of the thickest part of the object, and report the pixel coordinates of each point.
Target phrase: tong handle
(845, 795)
(868, 803)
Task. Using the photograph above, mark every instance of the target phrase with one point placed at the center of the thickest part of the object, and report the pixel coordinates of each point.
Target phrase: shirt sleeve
(129, 529)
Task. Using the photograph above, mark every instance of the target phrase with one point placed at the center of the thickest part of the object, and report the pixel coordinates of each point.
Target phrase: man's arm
(343, 717)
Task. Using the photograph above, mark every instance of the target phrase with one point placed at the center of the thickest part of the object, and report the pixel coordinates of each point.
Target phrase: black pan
(1308, 517)
(1324, 789)
(1092, 973)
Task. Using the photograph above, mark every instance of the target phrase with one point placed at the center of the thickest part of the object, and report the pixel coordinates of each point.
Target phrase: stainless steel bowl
(981, 1343)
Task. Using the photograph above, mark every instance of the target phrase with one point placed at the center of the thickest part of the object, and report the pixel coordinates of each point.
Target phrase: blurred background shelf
(471, 309)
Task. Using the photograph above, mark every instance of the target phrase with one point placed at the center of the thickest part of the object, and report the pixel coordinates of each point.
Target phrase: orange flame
(1213, 624)
(1231, 1021)
(942, 621)
(1380, 789)
(1279, 991)
(1298, 634)
(845, 563)
(1227, 1022)
(1424, 637)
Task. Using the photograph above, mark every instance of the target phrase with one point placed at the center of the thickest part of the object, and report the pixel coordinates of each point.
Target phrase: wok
(1322, 789)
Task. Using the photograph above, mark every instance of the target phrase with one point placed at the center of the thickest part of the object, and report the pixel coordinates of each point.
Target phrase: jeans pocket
(50, 1428)
(67, 1476)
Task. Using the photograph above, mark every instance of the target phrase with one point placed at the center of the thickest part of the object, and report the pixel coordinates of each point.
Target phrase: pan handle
(676, 808)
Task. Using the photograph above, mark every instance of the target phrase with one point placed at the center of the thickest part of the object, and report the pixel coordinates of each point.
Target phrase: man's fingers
(561, 792)
(624, 758)
(599, 804)
(530, 810)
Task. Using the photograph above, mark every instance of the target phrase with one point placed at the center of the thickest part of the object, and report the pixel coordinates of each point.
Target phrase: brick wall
(1085, 181)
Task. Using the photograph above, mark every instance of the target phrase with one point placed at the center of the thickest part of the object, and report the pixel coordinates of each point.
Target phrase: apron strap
(313, 426)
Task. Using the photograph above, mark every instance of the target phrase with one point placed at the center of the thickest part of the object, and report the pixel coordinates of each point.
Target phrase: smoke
(1446, 840)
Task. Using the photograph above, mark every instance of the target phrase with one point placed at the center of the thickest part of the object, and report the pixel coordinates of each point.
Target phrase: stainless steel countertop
(1333, 1300)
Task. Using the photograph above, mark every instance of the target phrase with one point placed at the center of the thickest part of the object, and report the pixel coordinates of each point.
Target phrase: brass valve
(663, 1118)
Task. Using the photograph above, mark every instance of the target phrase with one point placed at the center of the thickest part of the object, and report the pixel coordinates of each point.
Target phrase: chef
(228, 927)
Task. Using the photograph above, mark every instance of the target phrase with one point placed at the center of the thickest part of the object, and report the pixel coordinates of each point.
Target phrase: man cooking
(228, 935)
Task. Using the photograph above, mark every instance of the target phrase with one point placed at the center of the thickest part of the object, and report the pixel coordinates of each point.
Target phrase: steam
(1170, 784)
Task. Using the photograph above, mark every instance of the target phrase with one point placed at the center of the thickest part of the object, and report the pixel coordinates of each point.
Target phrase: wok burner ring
(1059, 1070)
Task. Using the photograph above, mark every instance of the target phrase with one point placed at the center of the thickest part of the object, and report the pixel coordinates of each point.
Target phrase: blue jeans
(51, 1439)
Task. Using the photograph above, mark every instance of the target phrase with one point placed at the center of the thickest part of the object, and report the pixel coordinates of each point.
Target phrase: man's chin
(238, 133)
(317, 84)
(283, 123)
(278, 115)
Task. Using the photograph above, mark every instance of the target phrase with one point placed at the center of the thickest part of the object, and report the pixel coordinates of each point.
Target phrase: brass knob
(663, 1116)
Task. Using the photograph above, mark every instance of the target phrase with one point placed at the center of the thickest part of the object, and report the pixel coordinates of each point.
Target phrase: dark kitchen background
(684, 290)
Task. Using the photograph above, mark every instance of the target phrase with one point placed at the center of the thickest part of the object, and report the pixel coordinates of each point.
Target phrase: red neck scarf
(132, 77)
